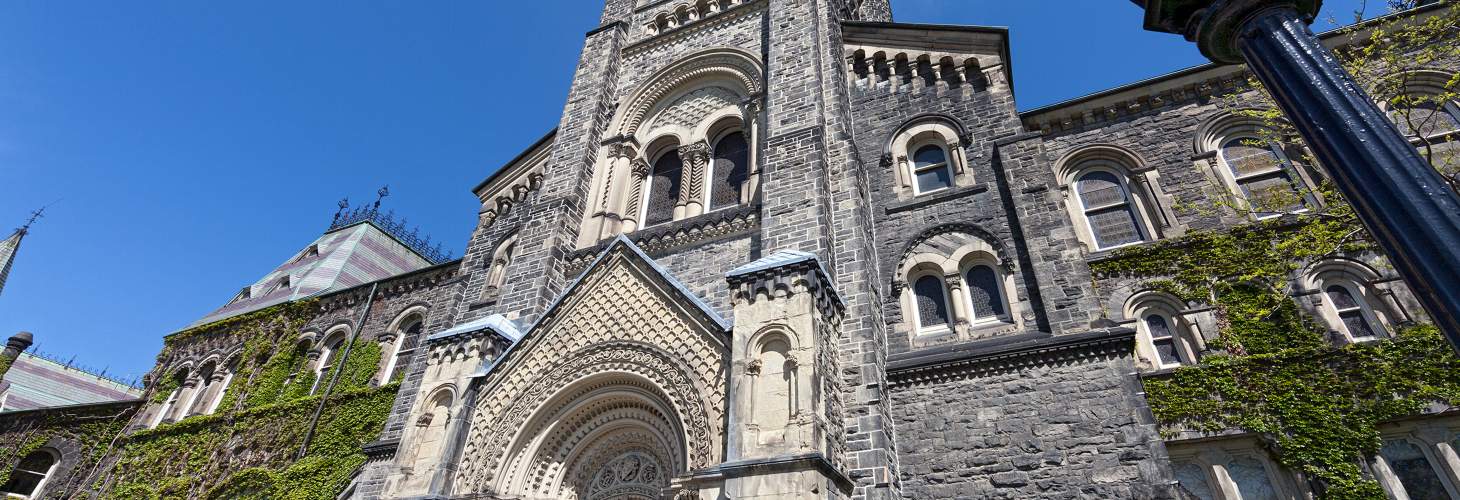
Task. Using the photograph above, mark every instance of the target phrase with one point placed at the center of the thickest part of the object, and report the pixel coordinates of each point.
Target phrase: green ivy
(1316, 406)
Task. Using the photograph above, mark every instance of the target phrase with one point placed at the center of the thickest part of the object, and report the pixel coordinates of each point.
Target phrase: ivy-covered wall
(1272, 370)
(83, 435)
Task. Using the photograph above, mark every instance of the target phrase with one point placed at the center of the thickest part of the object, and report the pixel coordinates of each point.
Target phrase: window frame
(1449, 108)
(1436, 463)
(1130, 205)
(327, 357)
(648, 188)
(1185, 336)
(1284, 167)
(919, 328)
(1361, 305)
(946, 165)
(999, 287)
(709, 180)
(1174, 332)
(40, 487)
(413, 316)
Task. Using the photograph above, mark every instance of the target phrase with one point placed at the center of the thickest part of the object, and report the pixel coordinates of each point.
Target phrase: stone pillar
(696, 156)
(616, 188)
(633, 205)
(752, 110)
(17, 344)
(787, 437)
(1404, 202)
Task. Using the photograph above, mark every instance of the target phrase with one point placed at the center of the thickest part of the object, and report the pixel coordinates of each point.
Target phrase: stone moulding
(380, 450)
(976, 359)
(676, 235)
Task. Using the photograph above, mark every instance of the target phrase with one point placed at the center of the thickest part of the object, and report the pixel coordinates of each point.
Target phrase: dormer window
(244, 294)
(282, 284)
(308, 253)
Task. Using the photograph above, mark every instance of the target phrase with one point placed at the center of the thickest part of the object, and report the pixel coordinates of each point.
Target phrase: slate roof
(496, 322)
(35, 382)
(346, 257)
(774, 260)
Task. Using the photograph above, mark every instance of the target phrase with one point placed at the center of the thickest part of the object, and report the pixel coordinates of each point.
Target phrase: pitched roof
(340, 259)
(36, 382)
(620, 244)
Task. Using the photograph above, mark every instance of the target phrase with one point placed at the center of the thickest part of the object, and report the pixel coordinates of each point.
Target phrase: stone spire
(11, 245)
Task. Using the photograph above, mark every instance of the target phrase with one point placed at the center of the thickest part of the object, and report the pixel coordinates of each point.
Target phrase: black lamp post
(1403, 201)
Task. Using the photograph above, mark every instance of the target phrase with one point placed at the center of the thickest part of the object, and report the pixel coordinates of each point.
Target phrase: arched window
(1166, 339)
(406, 340)
(170, 408)
(1106, 203)
(1424, 116)
(930, 169)
(932, 303)
(1411, 467)
(1163, 340)
(1263, 175)
(208, 378)
(663, 188)
(729, 170)
(985, 295)
(329, 355)
(1355, 318)
(28, 480)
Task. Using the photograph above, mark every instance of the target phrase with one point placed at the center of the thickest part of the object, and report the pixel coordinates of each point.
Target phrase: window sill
(934, 197)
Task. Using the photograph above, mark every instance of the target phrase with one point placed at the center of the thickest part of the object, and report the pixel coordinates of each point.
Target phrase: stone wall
(1068, 422)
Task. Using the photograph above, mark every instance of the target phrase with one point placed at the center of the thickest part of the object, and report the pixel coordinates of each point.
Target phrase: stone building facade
(793, 249)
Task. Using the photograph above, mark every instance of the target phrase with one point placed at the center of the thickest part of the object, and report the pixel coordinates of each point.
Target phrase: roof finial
(380, 195)
(343, 204)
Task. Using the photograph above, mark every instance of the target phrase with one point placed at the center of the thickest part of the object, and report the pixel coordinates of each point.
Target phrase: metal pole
(1405, 204)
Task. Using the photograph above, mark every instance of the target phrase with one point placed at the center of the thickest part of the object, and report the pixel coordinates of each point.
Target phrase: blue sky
(193, 146)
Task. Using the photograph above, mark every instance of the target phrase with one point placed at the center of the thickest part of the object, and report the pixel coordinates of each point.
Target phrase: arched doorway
(608, 436)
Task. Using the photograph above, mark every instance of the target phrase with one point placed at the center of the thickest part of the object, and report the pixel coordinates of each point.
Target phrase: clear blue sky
(195, 145)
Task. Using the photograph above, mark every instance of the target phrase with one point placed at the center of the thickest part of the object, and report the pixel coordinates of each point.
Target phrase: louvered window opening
(664, 185)
(1108, 210)
(1264, 176)
(730, 169)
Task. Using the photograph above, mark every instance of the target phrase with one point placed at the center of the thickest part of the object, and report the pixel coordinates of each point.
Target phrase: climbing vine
(1273, 372)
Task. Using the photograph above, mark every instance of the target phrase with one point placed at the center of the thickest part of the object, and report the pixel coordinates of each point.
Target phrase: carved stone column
(696, 156)
(633, 206)
(752, 109)
(961, 315)
(615, 187)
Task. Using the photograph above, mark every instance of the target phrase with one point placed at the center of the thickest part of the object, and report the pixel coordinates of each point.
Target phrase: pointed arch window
(1105, 201)
(931, 169)
(932, 303)
(663, 189)
(28, 479)
(1264, 176)
(729, 170)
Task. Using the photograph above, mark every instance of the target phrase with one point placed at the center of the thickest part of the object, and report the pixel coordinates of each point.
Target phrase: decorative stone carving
(613, 322)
